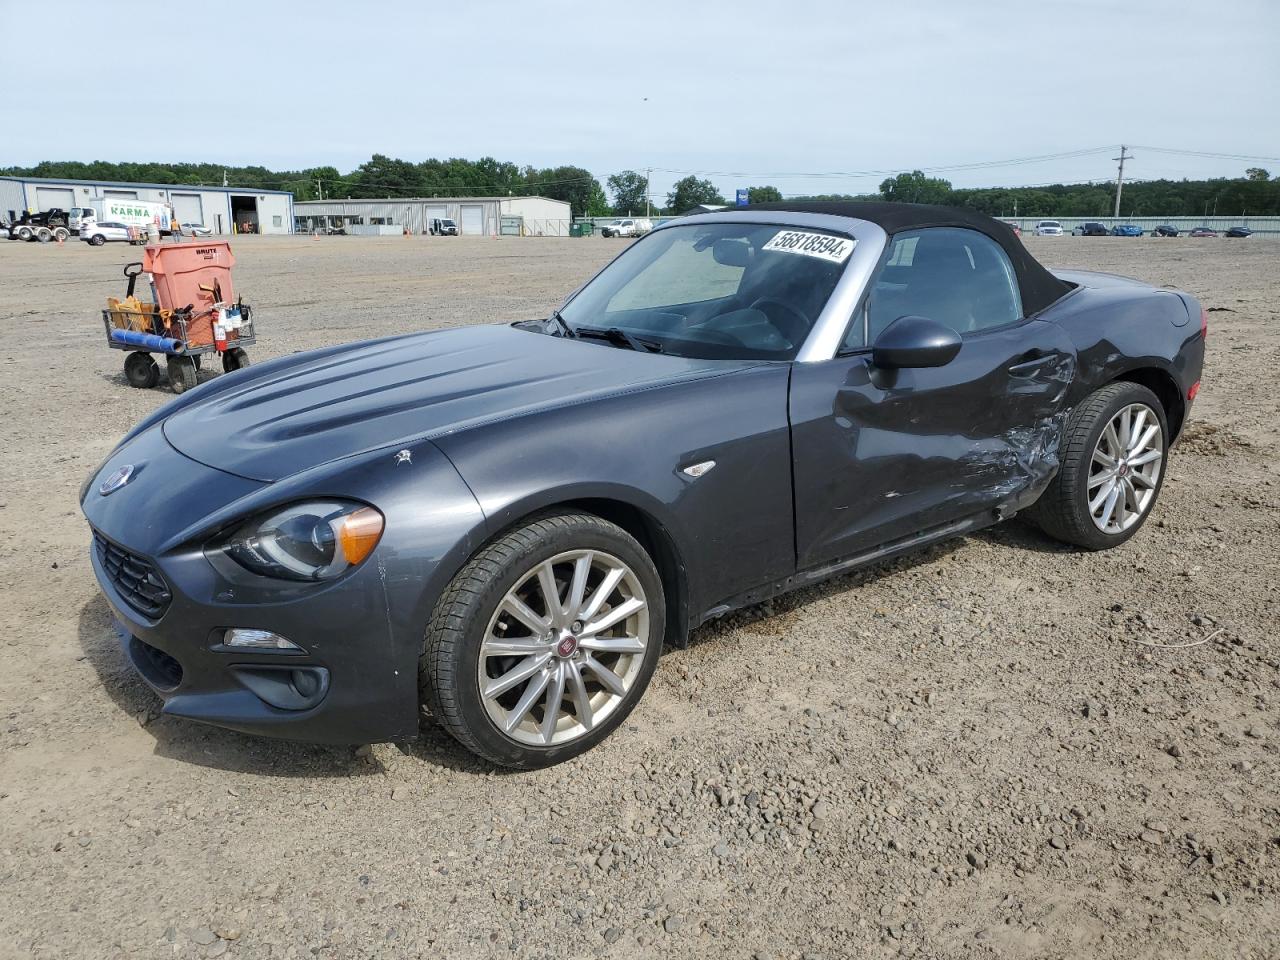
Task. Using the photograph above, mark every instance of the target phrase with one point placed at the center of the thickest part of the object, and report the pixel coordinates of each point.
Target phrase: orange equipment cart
(195, 312)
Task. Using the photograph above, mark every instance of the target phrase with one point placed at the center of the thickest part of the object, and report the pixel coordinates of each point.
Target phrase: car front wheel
(1112, 466)
(544, 642)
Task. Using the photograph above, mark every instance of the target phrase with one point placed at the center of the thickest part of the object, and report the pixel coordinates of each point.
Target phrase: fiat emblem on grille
(118, 479)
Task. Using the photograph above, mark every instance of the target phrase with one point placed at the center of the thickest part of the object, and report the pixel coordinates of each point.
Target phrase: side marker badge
(696, 470)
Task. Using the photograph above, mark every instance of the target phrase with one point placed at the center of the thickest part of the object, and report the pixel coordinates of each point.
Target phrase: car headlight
(318, 540)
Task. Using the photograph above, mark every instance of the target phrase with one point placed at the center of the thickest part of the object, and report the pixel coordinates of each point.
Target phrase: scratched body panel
(879, 454)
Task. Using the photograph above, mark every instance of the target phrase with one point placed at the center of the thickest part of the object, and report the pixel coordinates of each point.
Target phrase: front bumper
(346, 687)
(356, 678)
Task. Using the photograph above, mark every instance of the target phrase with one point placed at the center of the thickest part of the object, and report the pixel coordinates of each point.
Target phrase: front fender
(731, 526)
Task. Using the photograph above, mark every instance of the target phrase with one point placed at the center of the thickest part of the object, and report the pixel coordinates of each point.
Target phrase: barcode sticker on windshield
(821, 245)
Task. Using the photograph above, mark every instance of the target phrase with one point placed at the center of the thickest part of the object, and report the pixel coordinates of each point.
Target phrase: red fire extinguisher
(220, 332)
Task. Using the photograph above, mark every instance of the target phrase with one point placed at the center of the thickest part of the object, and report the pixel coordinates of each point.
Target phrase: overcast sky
(743, 92)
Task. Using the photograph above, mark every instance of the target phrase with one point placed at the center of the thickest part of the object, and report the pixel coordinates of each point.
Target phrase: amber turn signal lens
(359, 534)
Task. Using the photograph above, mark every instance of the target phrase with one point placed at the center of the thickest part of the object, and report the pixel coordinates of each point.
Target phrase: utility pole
(1120, 177)
(224, 177)
(319, 188)
(648, 175)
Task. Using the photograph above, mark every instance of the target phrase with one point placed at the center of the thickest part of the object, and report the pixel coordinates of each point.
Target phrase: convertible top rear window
(718, 290)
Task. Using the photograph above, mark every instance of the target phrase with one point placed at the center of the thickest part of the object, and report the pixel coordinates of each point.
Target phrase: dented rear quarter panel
(1120, 326)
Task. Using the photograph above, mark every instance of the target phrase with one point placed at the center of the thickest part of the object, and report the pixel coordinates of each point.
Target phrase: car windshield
(717, 290)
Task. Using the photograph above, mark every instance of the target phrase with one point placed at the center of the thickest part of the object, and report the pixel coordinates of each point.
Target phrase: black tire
(61, 233)
(141, 370)
(448, 677)
(182, 374)
(234, 359)
(97, 240)
(1063, 509)
(44, 235)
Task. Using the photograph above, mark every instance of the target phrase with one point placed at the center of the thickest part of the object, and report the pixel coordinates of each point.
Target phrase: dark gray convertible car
(505, 523)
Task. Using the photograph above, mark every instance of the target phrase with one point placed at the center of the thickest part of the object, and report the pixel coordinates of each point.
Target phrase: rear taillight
(1193, 391)
(1204, 324)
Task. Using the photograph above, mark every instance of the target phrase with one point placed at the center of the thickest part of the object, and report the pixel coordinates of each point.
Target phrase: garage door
(121, 194)
(49, 197)
(187, 207)
(473, 219)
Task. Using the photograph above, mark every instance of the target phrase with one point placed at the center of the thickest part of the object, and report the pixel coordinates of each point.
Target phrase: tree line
(1257, 193)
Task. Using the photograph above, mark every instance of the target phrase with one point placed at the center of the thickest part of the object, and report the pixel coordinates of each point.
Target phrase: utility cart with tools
(194, 311)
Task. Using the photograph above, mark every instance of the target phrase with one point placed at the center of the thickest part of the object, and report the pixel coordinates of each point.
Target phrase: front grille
(137, 581)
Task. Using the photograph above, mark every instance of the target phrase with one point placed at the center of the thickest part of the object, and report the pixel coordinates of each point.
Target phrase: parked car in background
(1048, 228)
(1090, 228)
(1202, 232)
(1126, 230)
(443, 227)
(628, 227)
(1165, 230)
(505, 523)
(96, 234)
(1239, 232)
(195, 230)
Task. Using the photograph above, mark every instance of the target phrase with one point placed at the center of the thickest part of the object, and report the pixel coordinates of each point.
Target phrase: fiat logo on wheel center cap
(118, 479)
(567, 646)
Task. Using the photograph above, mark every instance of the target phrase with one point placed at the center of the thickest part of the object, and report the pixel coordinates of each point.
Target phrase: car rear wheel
(141, 370)
(544, 642)
(97, 240)
(1112, 467)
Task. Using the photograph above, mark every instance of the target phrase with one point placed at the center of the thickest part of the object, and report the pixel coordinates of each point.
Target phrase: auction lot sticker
(821, 245)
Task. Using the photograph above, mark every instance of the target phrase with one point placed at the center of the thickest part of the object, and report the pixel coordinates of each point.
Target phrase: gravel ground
(975, 751)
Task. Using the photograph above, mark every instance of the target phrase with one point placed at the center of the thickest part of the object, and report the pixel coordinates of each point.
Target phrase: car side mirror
(915, 342)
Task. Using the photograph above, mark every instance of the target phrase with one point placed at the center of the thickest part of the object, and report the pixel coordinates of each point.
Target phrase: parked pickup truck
(629, 227)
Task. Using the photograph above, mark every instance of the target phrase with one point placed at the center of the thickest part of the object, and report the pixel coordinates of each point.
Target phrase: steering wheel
(786, 319)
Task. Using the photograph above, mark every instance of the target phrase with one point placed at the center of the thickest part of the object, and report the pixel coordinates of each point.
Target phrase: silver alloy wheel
(564, 647)
(1125, 470)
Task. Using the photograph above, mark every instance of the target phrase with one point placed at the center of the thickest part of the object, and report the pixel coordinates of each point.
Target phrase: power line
(856, 174)
(1209, 156)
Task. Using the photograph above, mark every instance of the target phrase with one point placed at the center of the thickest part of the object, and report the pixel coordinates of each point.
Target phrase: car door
(881, 456)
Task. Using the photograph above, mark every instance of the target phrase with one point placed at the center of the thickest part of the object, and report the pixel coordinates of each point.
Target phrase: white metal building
(221, 209)
(475, 216)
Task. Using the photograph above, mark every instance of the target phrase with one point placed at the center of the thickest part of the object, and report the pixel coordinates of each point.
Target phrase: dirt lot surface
(977, 751)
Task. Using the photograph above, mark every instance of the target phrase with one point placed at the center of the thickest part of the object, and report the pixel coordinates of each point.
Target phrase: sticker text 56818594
(821, 245)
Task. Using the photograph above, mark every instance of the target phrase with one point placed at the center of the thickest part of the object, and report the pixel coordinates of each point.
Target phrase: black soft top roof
(1039, 287)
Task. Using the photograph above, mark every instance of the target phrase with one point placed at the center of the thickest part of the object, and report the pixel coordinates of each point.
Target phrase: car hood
(316, 408)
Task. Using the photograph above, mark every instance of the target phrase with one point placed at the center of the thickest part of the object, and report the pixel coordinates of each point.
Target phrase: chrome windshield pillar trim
(828, 331)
